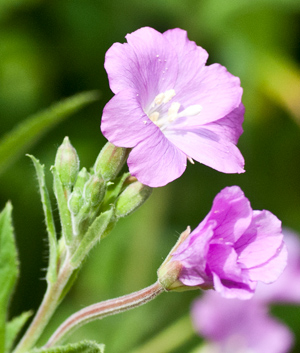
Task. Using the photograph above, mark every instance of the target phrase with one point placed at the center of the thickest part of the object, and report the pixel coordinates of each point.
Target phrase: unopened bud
(132, 198)
(67, 163)
(82, 177)
(94, 190)
(75, 202)
(110, 161)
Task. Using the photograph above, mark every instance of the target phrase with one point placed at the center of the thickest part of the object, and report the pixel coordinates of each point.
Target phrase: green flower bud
(82, 177)
(76, 199)
(75, 202)
(132, 198)
(67, 163)
(110, 161)
(94, 190)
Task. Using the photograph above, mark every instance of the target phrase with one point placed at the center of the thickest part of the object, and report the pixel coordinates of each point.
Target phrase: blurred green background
(53, 49)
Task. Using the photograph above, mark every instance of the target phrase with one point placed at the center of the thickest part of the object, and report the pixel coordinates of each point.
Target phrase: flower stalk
(52, 299)
(103, 309)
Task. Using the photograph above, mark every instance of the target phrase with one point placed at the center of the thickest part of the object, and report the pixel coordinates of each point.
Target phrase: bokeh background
(53, 49)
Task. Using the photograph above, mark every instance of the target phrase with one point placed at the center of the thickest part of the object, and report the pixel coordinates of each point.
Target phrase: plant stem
(47, 308)
(105, 308)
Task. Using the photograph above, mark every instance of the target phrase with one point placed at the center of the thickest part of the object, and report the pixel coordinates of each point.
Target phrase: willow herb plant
(168, 107)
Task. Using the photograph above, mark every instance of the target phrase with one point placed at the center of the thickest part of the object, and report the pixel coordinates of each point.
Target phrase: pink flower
(169, 107)
(232, 325)
(231, 250)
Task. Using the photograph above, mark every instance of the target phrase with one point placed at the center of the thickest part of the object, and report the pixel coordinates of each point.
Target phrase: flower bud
(75, 202)
(67, 163)
(82, 177)
(132, 198)
(94, 190)
(110, 161)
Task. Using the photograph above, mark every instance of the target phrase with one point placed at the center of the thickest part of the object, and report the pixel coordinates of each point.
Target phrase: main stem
(47, 308)
(106, 308)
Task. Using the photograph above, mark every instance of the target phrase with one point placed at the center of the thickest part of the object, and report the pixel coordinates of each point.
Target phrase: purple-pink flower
(232, 249)
(169, 106)
(232, 325)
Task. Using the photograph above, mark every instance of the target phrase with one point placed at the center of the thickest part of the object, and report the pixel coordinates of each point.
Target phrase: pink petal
(155, 161)
(208, 148)
(240, 290)
(215, 89)
(191, 58)
(232, 212)
(222, 260)
(270, 271)
(124, 123)
(154, 54)
(261, 241)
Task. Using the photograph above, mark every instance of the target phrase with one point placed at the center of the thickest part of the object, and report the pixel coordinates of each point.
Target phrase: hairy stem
(105, 308)
(47, 308)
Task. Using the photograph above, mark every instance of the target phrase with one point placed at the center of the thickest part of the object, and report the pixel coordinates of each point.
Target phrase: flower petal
(208, 148)
(155, 161)
(261, 241)
(270, 271)
(191, 58)
(124, 123)
(141, 64)
(232, 213)
(231, 289)
(215, 89)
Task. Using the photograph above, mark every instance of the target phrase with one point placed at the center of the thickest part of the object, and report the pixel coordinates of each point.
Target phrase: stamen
(190, 159)
(159, 98)
(191, 110)
(169, 95)
(173, 110)
(154, 117)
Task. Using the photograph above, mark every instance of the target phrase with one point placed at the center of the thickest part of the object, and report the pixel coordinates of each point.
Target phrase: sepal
(110, 161)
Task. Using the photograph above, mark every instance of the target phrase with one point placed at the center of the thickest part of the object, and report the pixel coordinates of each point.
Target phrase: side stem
(105, 308)
(47, 308)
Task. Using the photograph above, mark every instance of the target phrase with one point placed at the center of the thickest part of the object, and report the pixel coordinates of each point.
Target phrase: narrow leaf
(13, 328)
(27, 133)
(52, 268)
(80, 347)
(8, 267)
(92, 236)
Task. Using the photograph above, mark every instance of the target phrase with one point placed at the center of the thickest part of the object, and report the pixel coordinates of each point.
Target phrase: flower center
(158, 115)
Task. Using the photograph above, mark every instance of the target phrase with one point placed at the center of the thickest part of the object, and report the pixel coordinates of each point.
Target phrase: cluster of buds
(89, 194)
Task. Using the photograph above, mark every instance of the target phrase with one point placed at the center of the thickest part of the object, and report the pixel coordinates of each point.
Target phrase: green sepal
(113, 190)
(52, 238)
(62, 203)
(8, 268)
(30, 131)
(13, 328)
(67, 164)
(132, 198)
(110, 161)
(92, 236)
(80, 347)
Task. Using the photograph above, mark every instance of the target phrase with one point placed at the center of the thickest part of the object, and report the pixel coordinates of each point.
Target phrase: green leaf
(52, 268)
(27, 133)
(8, 267)
(92, 236)
(14, 327)
(80, 347)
